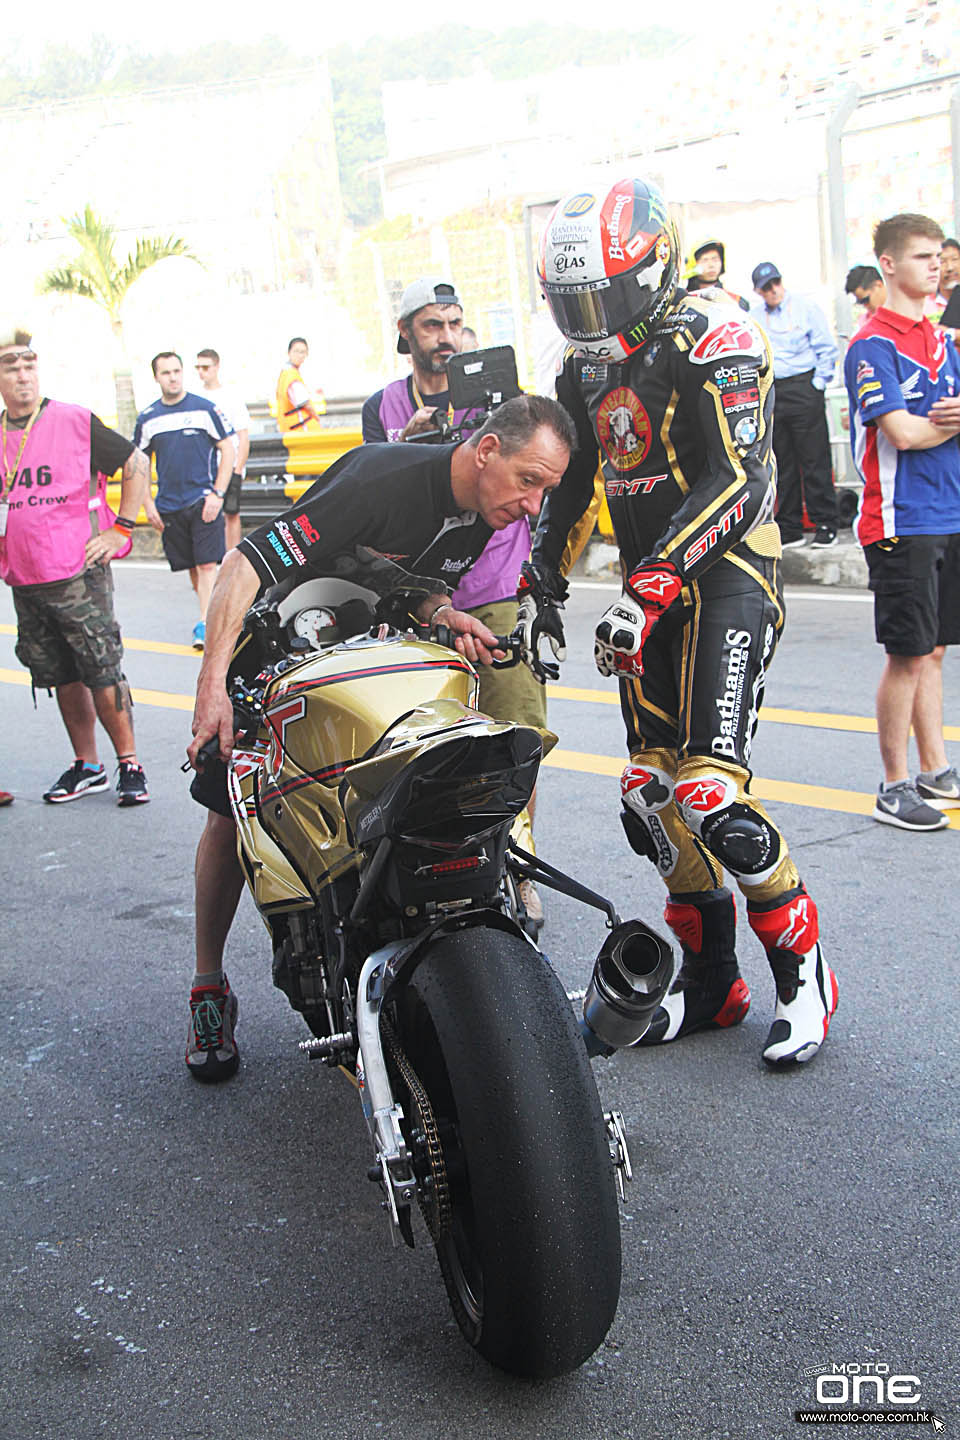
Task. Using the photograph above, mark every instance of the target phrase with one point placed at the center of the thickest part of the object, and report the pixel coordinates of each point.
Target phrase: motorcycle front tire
(531, 1258)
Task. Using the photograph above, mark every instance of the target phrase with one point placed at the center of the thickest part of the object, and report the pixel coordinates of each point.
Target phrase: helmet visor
(606, 307)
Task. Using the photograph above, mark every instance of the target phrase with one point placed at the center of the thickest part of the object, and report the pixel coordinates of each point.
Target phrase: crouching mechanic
(674, 395)
(432, 509)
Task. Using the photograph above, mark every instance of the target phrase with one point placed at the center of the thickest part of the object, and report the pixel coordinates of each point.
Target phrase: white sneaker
(806, 999)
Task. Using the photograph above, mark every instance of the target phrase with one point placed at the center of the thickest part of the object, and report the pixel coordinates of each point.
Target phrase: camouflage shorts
(67, 631)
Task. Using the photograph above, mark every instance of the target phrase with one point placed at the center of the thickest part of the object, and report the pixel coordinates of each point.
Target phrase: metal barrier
(279, 469)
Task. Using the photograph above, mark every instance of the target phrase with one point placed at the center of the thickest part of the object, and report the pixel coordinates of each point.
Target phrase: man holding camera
(430, 328)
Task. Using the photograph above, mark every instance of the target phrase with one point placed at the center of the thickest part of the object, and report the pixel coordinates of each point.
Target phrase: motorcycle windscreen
(455, 793)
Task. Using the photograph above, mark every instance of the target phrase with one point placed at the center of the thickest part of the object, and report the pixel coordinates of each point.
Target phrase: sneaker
(80, 779)
(942, 790)
(825, 535)
(901, 805)
(807, 996)
(131, 784)
(708, 989)
(199, 634)
(211, 1049)
(792, 544)
(5, 798)
(534, 907)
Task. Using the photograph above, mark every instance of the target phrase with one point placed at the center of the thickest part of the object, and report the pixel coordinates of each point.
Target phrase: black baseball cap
(764, 273)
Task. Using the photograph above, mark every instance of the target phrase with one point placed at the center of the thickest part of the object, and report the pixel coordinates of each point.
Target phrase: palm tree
(96, 274)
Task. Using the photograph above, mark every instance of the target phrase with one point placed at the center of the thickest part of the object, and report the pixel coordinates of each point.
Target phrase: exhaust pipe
(630, 978)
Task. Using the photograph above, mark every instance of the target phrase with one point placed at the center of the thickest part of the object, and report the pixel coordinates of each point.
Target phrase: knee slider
(645, 790)
(741, 838)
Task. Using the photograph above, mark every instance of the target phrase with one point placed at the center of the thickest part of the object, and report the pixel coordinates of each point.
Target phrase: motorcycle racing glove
(541, 594)
(625, 626)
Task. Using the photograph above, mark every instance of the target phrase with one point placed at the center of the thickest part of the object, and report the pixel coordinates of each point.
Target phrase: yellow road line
(155, 647)
(819, 720)
(815, 719)
(788, 792)
(162, 698)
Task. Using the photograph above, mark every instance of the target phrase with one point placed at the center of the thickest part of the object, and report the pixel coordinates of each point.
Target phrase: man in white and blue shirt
(804, 360)
(191, 442)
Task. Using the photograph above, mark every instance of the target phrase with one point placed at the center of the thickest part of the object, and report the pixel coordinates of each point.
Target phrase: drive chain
(436, 1208)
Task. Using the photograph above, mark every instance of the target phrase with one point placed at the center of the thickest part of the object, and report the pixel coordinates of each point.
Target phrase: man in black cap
(430, 326)
(804, 359)
(710, 261)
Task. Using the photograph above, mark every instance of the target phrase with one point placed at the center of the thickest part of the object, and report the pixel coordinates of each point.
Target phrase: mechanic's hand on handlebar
(213, 725)
(541, 594)
(625, 626)
(468, 635)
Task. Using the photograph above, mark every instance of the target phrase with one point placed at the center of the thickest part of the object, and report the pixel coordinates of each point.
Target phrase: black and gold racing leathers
(683, 434)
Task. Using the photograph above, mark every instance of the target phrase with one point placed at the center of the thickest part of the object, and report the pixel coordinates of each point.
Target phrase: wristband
(444, 605)
(220, 494)
(122, 523)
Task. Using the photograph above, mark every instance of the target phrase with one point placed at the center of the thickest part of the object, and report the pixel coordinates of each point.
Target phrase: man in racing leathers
(674, 395)
(429, 508)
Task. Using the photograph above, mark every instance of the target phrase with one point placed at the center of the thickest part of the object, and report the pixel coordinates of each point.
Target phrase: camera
(477, 380)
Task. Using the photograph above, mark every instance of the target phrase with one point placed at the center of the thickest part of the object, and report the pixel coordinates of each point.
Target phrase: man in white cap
(57, 537)
(430, 326)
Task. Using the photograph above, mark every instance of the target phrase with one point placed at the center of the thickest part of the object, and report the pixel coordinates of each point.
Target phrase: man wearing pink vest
(57, 537)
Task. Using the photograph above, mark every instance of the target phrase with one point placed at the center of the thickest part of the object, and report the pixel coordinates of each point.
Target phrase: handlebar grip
(206, 753)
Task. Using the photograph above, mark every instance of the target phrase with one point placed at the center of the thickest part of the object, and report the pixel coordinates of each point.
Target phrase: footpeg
(343, 1042)
(619, 1150)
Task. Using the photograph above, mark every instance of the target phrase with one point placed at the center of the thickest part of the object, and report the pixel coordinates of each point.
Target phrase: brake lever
(514, 648)
(542, 670)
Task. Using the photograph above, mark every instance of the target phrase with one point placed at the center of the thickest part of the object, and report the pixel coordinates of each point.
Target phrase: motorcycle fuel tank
(326, 714)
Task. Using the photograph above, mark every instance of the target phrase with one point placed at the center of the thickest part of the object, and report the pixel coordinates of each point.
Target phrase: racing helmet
(609, 267)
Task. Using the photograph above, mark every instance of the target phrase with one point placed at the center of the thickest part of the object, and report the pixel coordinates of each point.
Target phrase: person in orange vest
(297, 409)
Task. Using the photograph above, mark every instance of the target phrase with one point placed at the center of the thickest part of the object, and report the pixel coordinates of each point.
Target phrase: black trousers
(801, 443)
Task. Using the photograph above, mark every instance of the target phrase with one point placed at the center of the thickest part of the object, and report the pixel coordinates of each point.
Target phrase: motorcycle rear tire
(531, 1260)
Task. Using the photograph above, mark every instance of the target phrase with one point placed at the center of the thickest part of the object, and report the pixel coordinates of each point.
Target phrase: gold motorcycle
(374, 807)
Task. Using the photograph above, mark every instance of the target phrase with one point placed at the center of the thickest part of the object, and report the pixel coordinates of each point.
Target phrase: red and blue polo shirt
(895, 363)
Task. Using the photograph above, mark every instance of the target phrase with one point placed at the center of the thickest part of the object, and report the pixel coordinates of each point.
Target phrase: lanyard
(419, 401)
(9, 480)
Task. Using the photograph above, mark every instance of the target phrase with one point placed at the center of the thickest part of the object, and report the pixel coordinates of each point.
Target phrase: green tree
(96, 274)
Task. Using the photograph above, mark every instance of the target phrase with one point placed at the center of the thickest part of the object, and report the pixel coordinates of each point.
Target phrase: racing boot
(807, 993)
(708, 989)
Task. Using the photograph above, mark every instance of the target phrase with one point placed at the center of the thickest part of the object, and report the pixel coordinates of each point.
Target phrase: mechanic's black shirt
(393, 499)
(683, 431)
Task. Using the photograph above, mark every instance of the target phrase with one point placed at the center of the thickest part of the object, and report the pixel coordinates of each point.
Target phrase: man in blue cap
(804, 360)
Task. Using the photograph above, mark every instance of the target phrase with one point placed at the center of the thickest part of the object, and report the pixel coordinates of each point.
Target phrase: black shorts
(915, 580)
(189, 540)
(209, 788)
(231, 496)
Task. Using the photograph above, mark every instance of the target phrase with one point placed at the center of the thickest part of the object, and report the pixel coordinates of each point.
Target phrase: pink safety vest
(55, 503)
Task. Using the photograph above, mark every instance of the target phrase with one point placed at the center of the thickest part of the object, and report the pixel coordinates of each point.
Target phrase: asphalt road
(190, 1262)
